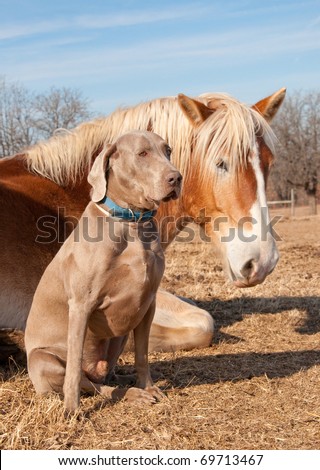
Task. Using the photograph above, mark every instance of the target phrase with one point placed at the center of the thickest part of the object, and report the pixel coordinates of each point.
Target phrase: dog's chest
(129, 290)
(137, 273)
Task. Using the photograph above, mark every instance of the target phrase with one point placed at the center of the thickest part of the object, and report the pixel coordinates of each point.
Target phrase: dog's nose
(174, 178)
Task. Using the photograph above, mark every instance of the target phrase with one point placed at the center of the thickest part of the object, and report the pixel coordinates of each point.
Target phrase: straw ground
(256, 387)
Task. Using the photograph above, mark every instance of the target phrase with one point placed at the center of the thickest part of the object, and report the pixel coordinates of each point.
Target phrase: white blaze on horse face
(252, 253)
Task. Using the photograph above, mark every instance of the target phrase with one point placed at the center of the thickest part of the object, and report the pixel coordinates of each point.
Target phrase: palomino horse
(223, 149)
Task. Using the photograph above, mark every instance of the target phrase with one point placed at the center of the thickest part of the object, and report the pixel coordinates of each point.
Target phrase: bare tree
(298, 150)
(26, 117)
(59, 108)
(16, 122)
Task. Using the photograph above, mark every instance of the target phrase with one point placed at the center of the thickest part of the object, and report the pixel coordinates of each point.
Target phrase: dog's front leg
(77, 326)
(141, 341)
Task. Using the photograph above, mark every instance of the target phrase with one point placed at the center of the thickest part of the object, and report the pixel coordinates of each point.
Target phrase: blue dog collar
(126, 214)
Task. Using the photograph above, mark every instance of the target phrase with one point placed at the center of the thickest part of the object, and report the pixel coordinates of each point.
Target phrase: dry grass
(256, 387)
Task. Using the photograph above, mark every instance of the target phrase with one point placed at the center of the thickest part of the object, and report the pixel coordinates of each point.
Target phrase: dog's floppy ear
(97, 175)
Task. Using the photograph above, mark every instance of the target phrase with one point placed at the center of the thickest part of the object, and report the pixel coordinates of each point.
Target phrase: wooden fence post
(292, 202)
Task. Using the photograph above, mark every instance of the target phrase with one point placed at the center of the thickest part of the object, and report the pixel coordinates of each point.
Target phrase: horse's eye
(221, 165)
(143, 153)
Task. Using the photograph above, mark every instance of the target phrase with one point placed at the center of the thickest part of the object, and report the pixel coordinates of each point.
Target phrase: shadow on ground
(197, 370)
(228, 312)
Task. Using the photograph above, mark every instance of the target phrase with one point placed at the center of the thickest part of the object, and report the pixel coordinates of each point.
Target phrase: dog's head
(136, 170)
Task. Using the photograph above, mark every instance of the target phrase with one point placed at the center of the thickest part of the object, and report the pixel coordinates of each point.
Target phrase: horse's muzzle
(255, 273)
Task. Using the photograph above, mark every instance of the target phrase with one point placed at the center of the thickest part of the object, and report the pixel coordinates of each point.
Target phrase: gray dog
(102, 283)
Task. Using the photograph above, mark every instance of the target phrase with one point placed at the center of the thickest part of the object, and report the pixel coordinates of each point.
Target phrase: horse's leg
(179, 324)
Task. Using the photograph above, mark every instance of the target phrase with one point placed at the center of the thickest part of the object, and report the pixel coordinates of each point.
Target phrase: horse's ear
(97, 175)
(269, 106)
(194, 110)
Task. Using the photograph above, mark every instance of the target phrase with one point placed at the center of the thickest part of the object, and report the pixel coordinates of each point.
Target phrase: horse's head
(226, 191)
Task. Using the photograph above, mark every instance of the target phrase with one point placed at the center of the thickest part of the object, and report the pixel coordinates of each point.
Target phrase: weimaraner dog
(103, 281)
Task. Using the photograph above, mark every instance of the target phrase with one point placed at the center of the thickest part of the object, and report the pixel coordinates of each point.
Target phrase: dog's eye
(143, 153)
(168, 152)
(221, 165)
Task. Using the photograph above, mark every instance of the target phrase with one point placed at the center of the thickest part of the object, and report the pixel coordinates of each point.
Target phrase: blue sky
(123, 52)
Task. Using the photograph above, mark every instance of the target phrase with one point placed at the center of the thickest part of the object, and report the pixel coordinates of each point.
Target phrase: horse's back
(22, 260)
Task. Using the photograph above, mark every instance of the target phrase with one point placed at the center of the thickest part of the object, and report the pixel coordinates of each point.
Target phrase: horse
(224, 150)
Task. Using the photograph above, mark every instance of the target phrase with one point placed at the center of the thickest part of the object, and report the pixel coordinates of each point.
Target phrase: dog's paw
(71, 407)
(155, 392)
(140, 396)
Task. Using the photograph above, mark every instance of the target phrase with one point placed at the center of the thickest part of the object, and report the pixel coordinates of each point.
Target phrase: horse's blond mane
(230, 132)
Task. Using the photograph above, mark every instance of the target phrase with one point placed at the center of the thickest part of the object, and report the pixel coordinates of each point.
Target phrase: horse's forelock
(230, 133)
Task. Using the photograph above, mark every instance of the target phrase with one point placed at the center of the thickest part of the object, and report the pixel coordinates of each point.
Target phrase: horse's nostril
(247, 269)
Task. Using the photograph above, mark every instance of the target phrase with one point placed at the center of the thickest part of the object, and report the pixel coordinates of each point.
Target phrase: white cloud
(136, 17)
(242, 46)
(28, 29)
(141, 17)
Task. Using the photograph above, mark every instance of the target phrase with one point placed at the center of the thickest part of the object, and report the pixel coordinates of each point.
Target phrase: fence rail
(289, 201)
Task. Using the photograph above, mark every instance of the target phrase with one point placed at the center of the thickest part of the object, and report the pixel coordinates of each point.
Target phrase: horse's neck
(171, 219)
